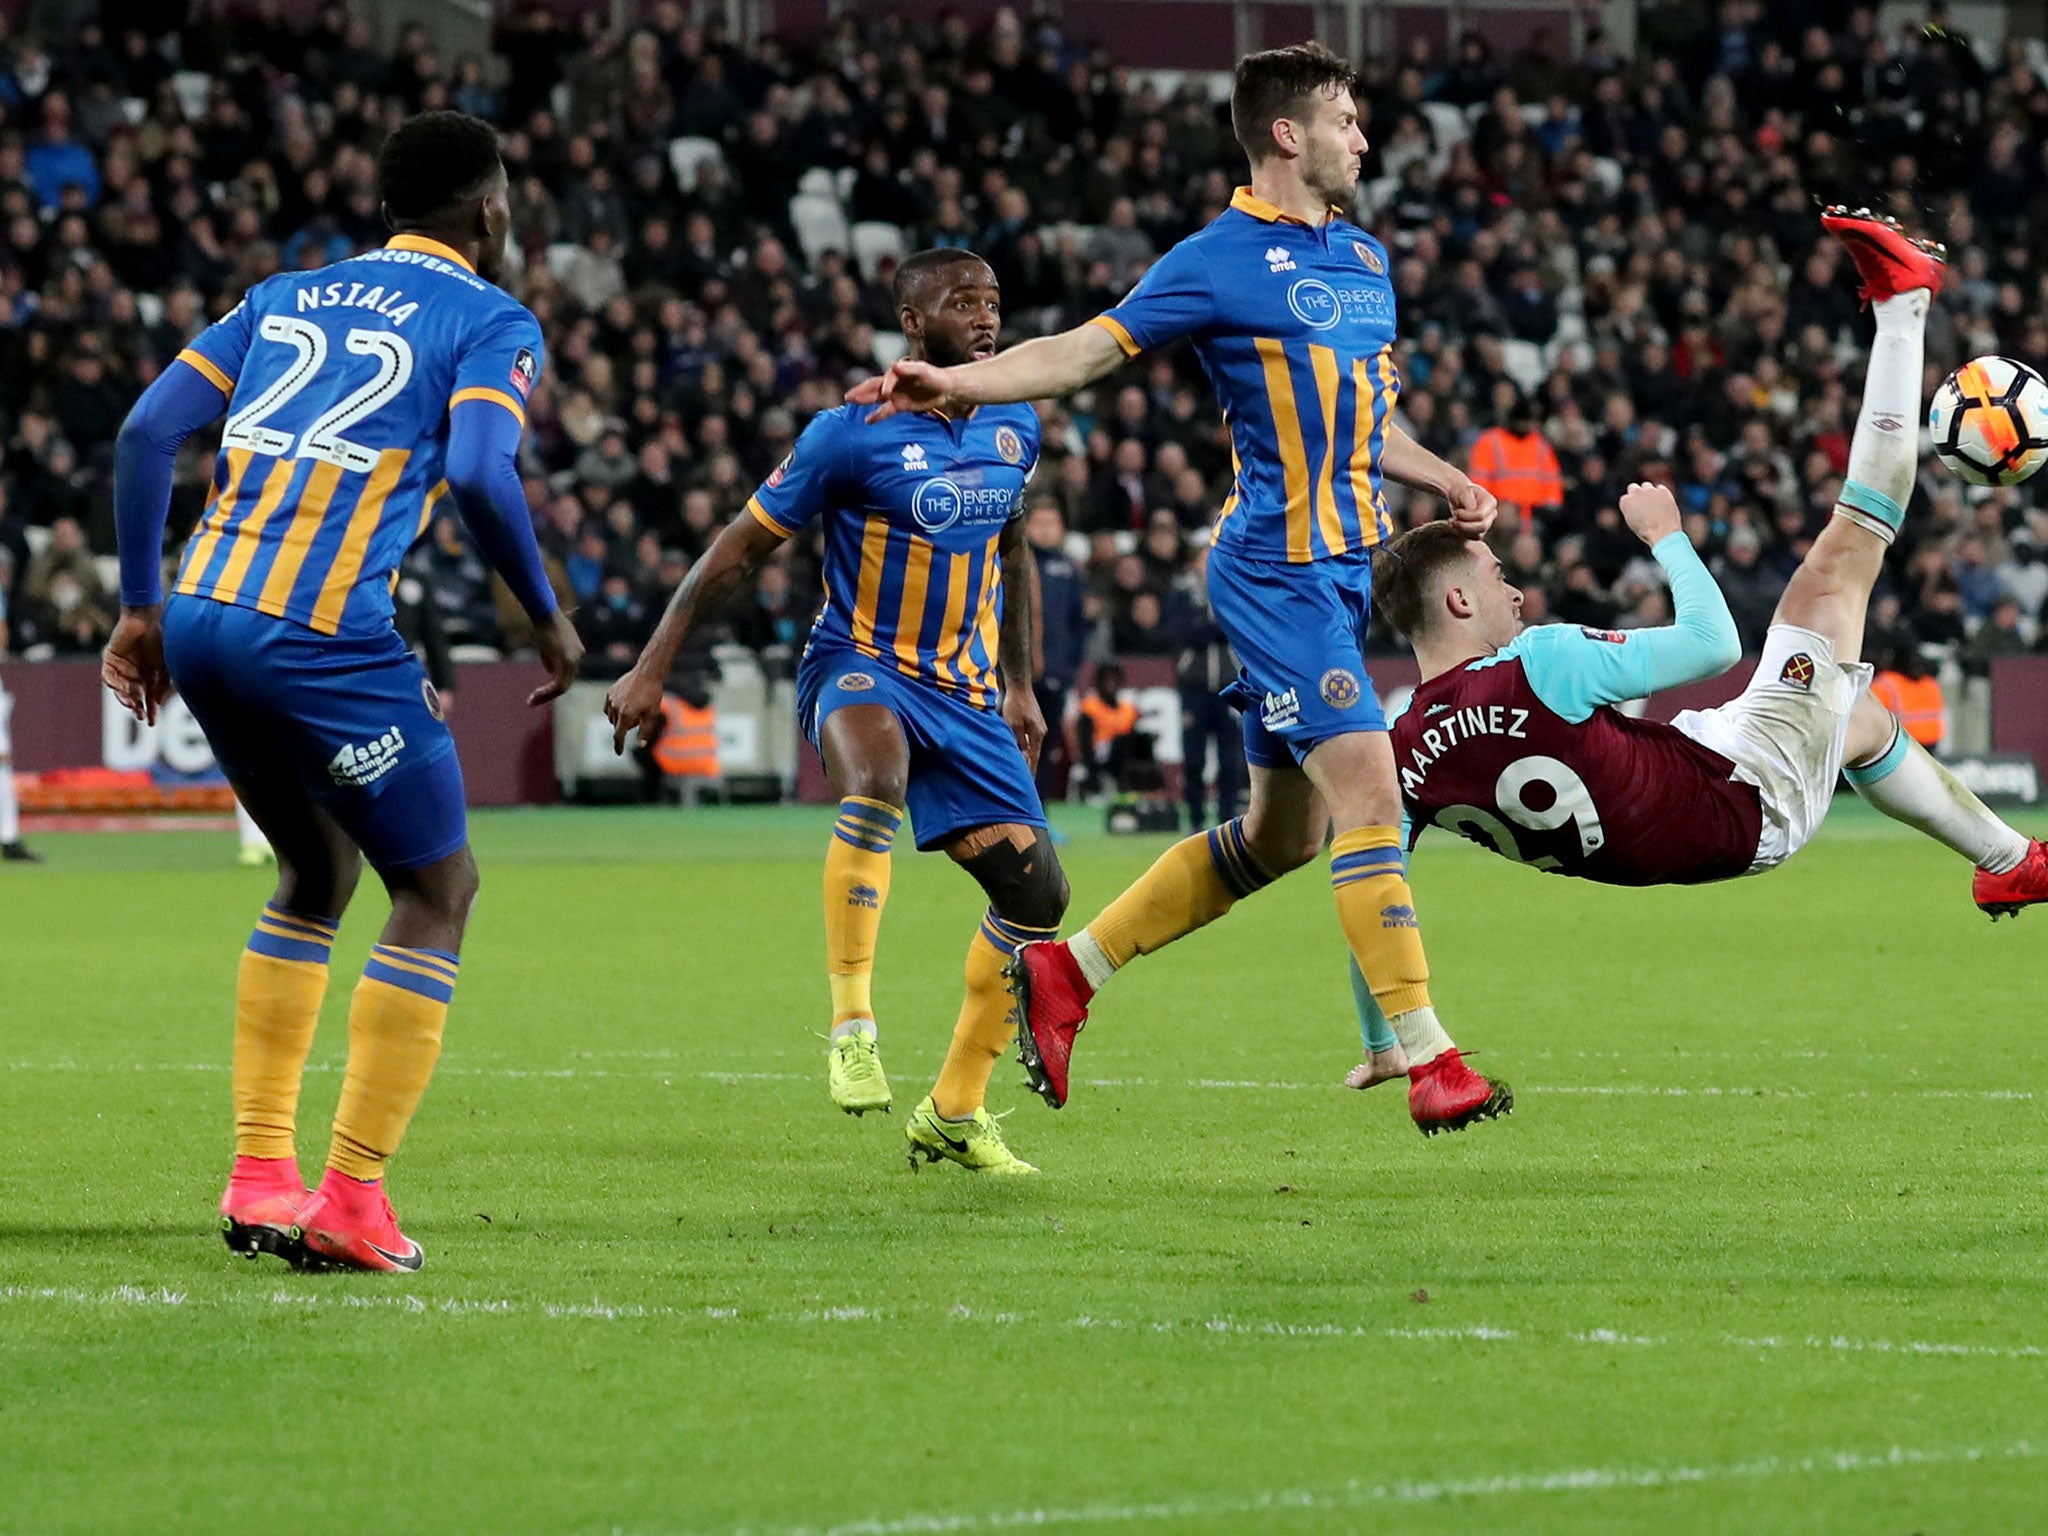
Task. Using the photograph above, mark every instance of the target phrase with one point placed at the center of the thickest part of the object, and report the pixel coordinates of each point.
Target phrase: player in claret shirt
(1512, 739)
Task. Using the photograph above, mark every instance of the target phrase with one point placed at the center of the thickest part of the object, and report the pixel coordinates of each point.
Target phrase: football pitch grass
(1762, 1247)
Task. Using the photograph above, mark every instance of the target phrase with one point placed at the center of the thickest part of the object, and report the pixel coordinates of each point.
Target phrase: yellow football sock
(278, 992)
(1378, 914)
(856, 886)
(1193, 883)
(985, 1026)
(394, 1039)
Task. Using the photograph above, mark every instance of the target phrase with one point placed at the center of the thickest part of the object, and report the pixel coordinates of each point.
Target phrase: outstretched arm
(1574, 672)
(1034, 370)
(1402, 458)
(483, 477)
(1018, 646)
(635, 699)
(177, 404)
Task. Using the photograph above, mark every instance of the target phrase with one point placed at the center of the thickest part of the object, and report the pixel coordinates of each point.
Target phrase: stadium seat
(872, 240)
(818, 181)
(194, 88)
(1447, 122)
(819, 222)
(1523, 361)
(687, 154)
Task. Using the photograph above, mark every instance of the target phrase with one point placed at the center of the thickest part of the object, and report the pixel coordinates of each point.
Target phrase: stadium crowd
(1606, 272)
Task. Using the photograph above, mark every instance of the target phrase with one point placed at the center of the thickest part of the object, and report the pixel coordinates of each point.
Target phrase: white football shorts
(1785, 734)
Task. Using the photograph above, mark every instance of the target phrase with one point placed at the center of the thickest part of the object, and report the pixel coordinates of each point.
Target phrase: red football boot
(261, 1205)
(1889, 260)
(348, 1224)
(1447, 1095)
(2021, 886)
(1052, 1005)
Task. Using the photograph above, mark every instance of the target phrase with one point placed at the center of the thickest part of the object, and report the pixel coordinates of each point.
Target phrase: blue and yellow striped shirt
(914, 508)
(1294, 324)
(339, 385)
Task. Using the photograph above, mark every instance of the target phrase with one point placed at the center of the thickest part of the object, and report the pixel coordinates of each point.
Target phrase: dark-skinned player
(915, 686)
(357, 397)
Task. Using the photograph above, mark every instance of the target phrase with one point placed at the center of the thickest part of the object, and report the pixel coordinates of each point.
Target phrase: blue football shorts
(353, 717)
(966, 769)
(1299, 634)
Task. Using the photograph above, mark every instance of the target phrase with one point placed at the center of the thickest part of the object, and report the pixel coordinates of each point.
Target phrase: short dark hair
(433, 162)
(1406, 568)
(912, 270)
(1275, 84)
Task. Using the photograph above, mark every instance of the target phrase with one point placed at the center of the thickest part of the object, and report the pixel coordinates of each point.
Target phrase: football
(1990, 421)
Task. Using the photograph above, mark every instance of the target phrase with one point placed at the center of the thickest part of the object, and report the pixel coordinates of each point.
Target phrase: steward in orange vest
(1917, 702)
(687, 747)
(1517, 464)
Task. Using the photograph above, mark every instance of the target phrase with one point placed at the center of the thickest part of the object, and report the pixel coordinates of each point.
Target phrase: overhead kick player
(1512, 740)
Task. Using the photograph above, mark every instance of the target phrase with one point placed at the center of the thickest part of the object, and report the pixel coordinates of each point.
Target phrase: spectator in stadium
(1101, 727)
(1910, 690)
(1204, 667)
(1516, 463)
(1999, 635)
(1063, 631)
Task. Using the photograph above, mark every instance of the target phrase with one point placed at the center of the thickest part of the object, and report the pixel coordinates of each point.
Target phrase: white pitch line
(598, 1310)
(1205, 1084)
(1359, 1494)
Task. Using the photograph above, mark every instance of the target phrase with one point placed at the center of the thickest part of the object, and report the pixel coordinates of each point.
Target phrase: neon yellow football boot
(975, 1144)
(853, 1068)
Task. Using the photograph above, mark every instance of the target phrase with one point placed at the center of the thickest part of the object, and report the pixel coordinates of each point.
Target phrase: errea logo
(913, 458)
(1277, 260)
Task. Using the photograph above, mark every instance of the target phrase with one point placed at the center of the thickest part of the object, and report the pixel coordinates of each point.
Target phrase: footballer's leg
(1830, 592)
(1900, 777)
(1192, 884)
(1354, 772)
(1384, 1058)
(225, 676)
(416, 837)
(1016, 867)
(279, 987)
(867, 760)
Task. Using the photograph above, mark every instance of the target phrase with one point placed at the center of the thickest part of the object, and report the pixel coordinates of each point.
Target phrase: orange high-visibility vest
(1519, 469)
(1915, 700)
(688, 745)
(1109, 719)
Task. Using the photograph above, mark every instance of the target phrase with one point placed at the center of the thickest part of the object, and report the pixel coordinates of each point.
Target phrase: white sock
(851, 1026)
(1884, 453)
(10, 808)
(1421, 1036)
(1908, 785)
(251, 834)
(1088, 955)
